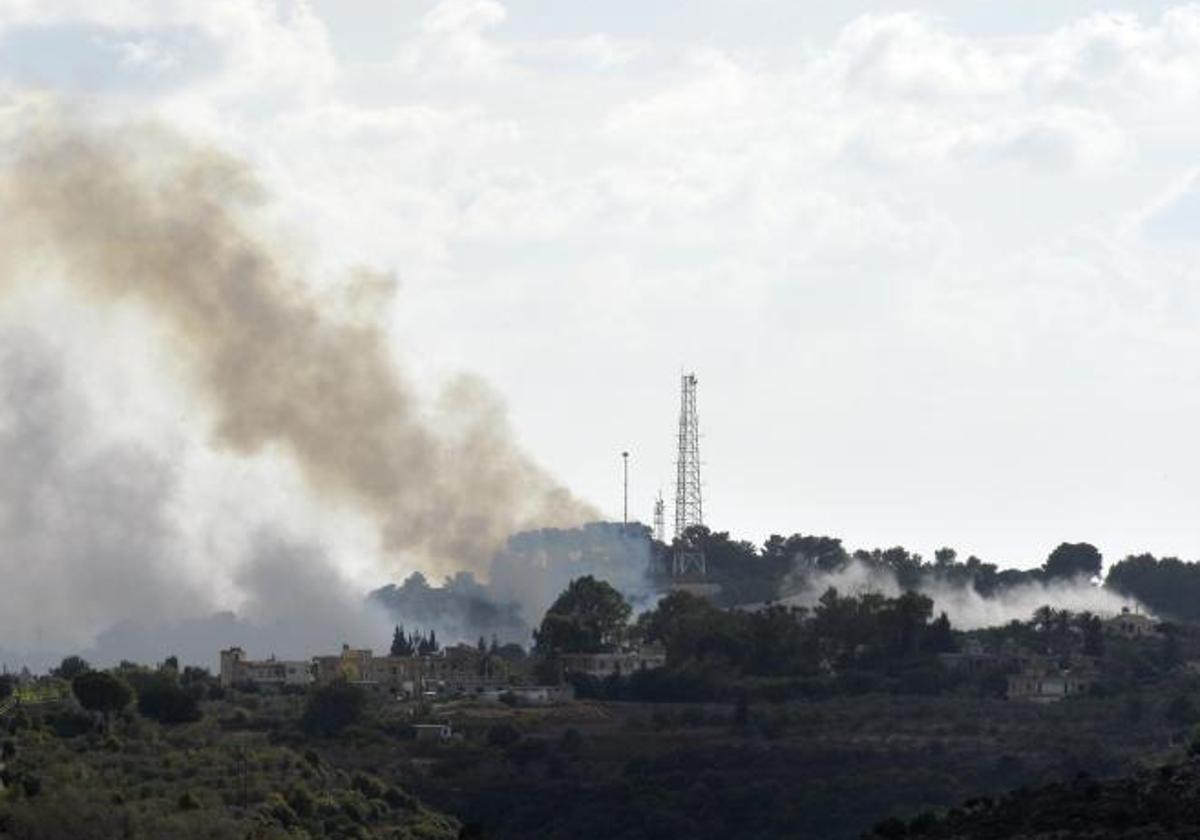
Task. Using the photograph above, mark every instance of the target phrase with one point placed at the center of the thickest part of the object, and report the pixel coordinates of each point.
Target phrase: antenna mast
(660, 518)
(689, 508)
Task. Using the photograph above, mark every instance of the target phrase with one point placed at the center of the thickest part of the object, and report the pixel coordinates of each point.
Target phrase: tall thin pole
(625, 512)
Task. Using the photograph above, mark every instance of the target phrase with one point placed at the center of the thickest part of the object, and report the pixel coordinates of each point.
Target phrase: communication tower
(660, 519)
(689, 507)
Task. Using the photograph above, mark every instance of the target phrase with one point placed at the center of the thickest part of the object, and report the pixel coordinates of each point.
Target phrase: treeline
(750, 574)
(1169, 587)
(861, 643)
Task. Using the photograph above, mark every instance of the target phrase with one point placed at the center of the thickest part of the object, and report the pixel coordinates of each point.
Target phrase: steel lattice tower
(689, 507)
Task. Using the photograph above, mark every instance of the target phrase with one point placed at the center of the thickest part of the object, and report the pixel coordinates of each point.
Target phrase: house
(433, 731)
(1045, 681)
(352, 664)
(397, 674)
(237, 669)
(462, 669)
(541, 695)
(974, 656)
(602, 665)
(1131, 625)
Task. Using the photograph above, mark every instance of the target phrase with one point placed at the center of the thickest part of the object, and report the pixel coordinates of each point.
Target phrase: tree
(588, 617)
(1168, 586)
(1073, 560)
(71, 667)
(331, 708)
(939, 637)
(101, 692)
(944, 558)
(166, 702)
(1092, 628)
(401, 645)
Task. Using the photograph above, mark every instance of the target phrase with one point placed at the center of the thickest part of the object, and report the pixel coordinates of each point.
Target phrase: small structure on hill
(433, 731)
(237, 669)
(623, 663)
(1048, 681)
(461, 669)
(1131, 625)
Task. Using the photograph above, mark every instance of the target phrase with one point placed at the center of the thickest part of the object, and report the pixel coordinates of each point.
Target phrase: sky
(934, 264)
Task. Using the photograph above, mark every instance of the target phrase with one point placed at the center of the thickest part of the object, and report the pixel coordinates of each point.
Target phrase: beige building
(461, 669)
(352, 664)
(237, 669)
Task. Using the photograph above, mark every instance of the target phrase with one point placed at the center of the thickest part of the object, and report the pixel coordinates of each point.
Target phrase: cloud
(913, 201)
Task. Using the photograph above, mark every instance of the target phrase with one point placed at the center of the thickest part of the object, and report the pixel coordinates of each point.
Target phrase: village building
(1045, 681)
(975, 656)
(463, 669)
(352, 664)
(1131, 625)
(236, 669)
(400, 675)
(541, 695)
(622, 663)
(433, 731)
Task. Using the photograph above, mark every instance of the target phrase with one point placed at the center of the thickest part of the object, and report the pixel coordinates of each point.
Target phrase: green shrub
(301, 800)
(368, 786)
(332, 708)
(167, 703)
(502, 735)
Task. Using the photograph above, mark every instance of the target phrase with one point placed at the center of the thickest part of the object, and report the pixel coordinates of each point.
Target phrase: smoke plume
(966, 608)
(140, 215)
(93, 558)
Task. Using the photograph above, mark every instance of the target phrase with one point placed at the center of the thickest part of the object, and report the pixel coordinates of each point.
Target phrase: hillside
(1158, 803)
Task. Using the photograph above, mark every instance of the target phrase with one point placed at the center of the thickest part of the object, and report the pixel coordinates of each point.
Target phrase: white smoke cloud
(966, 608)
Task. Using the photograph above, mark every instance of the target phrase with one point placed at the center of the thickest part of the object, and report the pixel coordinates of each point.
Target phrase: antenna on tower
(689, 507)
(660, 518)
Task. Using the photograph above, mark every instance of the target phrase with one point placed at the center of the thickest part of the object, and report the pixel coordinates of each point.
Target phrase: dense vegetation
(769, 720)
(1160, 803)
(186, 761)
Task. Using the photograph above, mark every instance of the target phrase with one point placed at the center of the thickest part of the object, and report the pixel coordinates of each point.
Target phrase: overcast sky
(934, 264)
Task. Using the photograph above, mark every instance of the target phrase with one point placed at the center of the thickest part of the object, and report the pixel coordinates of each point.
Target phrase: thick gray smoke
(966, 608)
(94, 549)
(91, 553)
(85, 532)
(525, 577)
(141, 215)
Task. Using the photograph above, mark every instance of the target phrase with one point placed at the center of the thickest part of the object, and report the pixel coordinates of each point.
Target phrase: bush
(400, 799)
(502, 735)
(332, 708)
(368, 786)
(302, 801)
(571, 741)
(70, 723)
(168, 703)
